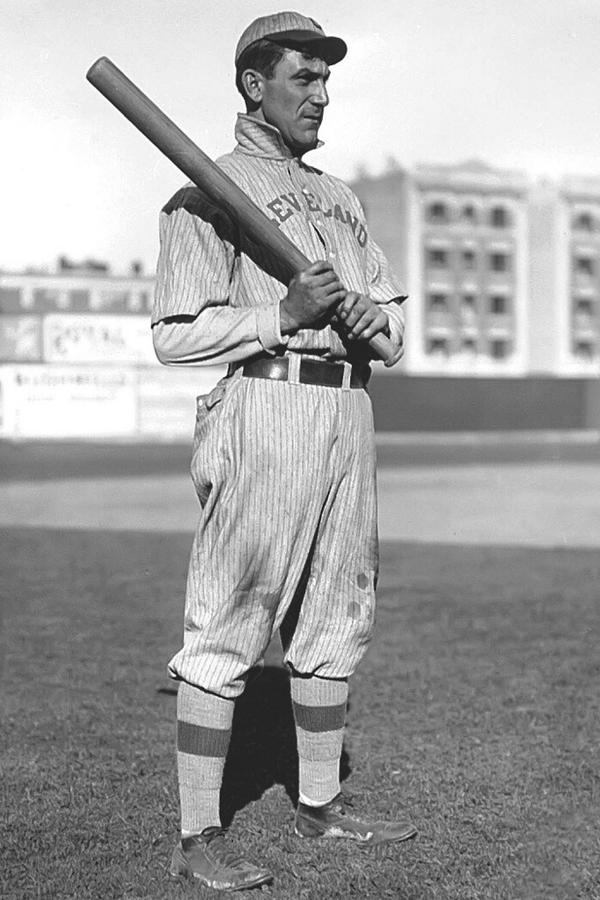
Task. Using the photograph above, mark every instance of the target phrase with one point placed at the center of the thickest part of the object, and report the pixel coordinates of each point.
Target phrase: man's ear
(252, 82)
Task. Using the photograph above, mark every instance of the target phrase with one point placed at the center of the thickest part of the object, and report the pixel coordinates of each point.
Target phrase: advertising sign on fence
(38, 401)
(96, 338)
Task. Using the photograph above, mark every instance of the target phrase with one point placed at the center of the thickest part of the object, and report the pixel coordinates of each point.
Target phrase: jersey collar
(258, 138)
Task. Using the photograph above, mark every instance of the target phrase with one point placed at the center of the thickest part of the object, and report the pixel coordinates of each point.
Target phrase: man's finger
(354, 316)
(358, 326)
(350, 301)
(335, 295)
(374, 328)
(325, 278)
(318, 267)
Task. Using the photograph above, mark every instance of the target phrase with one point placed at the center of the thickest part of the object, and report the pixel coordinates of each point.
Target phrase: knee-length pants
(285, 473)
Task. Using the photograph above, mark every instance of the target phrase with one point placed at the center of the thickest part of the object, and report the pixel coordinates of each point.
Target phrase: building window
(584, 350)
(498, 304)
(437, 257)
(469, 346)
(584, 307)
(438, 347)
(79, 300)
(499, 349)
(469, 213)
(437, 212)
(438, 302)
(499, 262)
(113, 299)
(584, 265)
(10, 299)
(499, 217)
(468, 308)
(468, 258)
(583, 222)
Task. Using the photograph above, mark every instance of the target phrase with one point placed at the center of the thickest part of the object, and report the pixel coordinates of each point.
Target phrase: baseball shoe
(334, 821)
(207, 858)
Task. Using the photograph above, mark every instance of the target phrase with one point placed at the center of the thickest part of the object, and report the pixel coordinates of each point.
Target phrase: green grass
(475, 712)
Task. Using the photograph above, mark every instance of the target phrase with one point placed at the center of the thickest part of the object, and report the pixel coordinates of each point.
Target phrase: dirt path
(543, 505)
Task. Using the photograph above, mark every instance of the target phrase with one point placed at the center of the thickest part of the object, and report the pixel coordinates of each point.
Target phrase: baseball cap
(293, 30)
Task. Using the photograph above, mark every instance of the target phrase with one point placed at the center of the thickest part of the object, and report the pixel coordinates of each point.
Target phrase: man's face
(294, 99)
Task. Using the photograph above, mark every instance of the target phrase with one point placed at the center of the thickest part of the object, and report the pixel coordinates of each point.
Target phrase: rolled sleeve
(396, 320)
(268, 327)
(386, 290)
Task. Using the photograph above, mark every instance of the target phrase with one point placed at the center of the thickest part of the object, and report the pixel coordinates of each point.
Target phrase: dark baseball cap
(290, 29)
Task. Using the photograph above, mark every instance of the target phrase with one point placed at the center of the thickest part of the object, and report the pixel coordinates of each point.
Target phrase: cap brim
(331, 49)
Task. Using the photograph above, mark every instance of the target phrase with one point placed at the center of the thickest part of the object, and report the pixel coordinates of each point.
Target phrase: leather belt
(311, 371)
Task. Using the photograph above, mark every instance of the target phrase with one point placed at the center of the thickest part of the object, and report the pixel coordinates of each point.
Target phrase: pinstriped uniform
(208, 270)
(285, 472)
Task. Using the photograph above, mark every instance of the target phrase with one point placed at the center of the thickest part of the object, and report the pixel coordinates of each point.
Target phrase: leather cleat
(206, 858)
(334, 821)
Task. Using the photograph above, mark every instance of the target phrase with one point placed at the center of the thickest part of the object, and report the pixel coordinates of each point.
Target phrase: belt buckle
(279, 369)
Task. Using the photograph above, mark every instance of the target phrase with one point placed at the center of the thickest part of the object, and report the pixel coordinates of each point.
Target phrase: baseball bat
(200, 168)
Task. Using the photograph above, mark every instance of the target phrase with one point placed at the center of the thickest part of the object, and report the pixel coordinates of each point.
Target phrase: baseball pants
(285, 474)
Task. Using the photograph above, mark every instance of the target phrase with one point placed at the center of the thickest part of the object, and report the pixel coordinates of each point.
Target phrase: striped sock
(320, 711)
(203, 732)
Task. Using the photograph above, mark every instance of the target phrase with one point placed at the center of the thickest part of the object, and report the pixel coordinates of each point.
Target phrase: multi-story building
(468, 264)
(565, 276)
(462, 233)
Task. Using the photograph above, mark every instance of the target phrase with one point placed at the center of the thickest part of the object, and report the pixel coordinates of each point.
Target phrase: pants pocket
(207, 408)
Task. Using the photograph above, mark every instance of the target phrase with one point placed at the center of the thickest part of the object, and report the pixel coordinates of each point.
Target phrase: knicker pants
(285, 474)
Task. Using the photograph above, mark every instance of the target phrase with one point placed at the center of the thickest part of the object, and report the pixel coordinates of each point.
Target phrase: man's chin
(308, 141)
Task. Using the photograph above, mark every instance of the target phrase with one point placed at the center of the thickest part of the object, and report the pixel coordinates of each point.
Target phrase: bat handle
(385, 350)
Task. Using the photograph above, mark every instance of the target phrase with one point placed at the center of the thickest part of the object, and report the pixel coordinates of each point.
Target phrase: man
(283, 456)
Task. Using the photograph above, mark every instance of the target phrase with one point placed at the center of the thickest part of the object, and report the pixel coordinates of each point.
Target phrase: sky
(512, 82)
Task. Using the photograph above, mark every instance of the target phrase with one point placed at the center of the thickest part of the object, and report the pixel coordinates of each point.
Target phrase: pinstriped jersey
(205, 262)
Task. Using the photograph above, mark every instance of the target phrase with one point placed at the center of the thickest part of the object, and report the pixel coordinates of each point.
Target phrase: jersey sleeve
(196, 256)
(386, 290)
(192, 321)
(218, 335)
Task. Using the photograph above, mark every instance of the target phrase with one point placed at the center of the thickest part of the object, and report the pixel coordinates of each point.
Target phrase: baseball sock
(203, 732)
(319, 706)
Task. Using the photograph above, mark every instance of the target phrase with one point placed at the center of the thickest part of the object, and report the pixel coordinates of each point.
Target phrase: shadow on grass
(263, 751)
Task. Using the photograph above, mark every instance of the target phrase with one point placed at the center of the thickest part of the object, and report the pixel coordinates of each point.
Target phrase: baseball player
(283, 455)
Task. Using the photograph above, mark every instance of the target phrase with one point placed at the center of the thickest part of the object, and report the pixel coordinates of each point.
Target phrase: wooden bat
(200, 168)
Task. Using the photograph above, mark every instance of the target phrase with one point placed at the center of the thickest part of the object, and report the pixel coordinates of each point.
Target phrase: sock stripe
(201, 741)
(320, 718)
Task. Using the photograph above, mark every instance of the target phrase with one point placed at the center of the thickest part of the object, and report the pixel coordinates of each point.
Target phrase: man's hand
(311, 295)
(361, 317)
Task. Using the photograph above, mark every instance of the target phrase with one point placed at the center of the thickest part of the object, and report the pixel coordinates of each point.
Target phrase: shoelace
(224, 854)
(344, 800)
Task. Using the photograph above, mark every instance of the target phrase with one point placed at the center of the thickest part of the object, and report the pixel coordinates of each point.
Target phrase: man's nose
(319, 95)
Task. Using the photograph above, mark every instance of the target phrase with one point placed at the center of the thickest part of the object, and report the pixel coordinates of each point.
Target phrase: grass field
(476, 712)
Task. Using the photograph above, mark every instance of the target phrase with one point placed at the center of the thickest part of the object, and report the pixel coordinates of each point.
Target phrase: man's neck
(260, 116)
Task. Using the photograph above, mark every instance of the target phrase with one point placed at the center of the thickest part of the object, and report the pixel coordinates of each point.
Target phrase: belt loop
(347, 376)
(294, 360)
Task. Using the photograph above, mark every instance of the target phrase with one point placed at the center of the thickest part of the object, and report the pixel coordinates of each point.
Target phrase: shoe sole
(183, 873)
(186, 877)
(372, 840)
